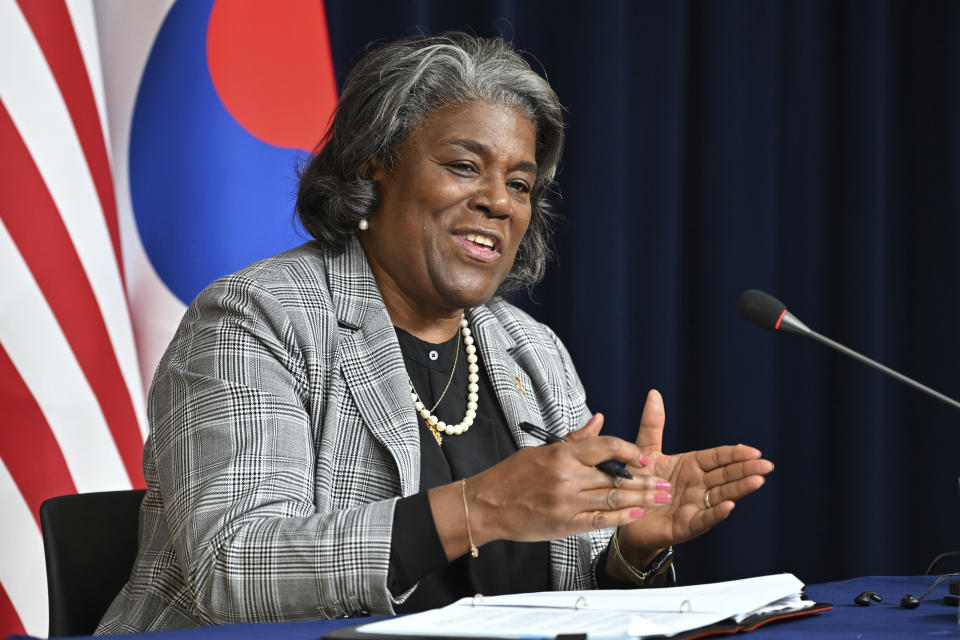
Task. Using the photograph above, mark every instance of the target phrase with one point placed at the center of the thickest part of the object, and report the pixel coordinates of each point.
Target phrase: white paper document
(627, 613)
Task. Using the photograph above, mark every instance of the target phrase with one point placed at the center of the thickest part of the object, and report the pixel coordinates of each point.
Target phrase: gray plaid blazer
(282, 434)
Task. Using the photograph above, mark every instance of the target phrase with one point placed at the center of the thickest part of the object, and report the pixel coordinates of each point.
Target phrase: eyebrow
(482, 150)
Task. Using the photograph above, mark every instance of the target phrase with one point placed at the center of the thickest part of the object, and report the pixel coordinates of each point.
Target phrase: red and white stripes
(84, 318)
(70, 386)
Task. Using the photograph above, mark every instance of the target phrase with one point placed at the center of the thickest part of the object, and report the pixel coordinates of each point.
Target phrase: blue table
(847, 621)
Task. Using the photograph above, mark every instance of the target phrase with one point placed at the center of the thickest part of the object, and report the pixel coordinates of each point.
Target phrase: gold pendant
(436, 434)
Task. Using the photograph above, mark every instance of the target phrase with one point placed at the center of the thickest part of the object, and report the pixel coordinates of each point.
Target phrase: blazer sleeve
(234, 451)
(575, 557)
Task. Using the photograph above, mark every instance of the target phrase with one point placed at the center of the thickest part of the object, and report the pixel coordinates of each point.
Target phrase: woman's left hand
(728, 473)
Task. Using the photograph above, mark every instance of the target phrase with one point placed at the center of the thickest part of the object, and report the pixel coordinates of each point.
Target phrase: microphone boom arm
(764, 311)
(887, 370)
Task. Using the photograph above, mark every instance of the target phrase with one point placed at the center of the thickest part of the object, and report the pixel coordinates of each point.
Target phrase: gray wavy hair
(396, 88)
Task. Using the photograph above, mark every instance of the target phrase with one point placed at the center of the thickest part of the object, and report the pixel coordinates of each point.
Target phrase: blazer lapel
(510, 382)
(372, 364)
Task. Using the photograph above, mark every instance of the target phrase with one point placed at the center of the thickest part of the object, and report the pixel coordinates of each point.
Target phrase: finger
(590, 430)
(706, 519)
(709, 459)
(601, 519)
(733, 491)
(737, 470)
(614, 498)
(645, 483)
(593, 451)
(650, 432)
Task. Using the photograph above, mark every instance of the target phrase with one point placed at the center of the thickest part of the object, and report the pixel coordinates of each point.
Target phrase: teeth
(480, 239)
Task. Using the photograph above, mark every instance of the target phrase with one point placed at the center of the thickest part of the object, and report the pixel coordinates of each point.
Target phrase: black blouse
(416, 551)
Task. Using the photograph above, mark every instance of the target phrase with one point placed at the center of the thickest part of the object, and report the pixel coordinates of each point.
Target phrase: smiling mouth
(479, 246)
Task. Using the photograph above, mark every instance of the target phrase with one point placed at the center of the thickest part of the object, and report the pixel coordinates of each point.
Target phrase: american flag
(85, 310)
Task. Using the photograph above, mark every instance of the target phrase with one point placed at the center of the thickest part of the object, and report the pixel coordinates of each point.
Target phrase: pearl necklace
(437, 426)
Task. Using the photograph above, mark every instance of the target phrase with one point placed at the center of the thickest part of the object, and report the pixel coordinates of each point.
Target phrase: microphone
(764, 311)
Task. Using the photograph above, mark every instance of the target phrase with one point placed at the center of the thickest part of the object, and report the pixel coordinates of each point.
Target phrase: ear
(374, 169)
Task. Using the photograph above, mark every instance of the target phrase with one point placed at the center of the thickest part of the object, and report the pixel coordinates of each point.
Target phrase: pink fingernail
(661, 497)
(643, 460)
(636, 513)
(663, 485)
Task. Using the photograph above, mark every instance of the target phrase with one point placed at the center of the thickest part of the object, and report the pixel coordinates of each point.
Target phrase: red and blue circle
(233, 95)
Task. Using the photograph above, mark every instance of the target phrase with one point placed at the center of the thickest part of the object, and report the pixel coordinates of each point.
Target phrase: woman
(335, 430)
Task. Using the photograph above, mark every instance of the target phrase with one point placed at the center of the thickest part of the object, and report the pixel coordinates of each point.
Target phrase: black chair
(90, 544)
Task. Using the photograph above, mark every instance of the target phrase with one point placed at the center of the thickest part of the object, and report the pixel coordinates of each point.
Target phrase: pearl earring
(363, 225)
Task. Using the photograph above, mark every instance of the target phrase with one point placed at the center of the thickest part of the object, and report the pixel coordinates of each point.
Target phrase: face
(453, 209)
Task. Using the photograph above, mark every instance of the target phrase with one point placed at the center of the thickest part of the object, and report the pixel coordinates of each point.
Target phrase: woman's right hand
(547, 492)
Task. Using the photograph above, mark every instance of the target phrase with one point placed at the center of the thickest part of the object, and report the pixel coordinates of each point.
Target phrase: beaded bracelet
(636, 576)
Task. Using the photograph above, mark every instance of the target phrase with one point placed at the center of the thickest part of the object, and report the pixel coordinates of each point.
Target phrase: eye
(465, 169)
(519, 186)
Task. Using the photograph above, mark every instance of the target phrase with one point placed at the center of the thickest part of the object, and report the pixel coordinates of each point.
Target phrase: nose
(493, 199)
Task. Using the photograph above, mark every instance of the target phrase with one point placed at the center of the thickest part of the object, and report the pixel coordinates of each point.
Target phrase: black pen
(607, 466)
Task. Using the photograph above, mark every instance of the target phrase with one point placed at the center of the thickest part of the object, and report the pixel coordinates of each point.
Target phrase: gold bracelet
(636, 576)
(466, 512)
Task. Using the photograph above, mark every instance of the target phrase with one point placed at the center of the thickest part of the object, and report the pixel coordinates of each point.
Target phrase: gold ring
(706, 498)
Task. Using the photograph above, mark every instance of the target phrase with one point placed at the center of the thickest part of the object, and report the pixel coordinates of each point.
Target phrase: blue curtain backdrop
(810, 149)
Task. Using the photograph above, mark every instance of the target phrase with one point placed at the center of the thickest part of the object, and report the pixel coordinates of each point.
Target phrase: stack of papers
(630, 613)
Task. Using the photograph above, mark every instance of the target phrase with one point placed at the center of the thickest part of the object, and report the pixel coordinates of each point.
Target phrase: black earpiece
(907, 602)
(863, 600)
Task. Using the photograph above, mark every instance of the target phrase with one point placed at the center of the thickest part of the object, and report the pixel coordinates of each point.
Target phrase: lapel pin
(519, 384)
